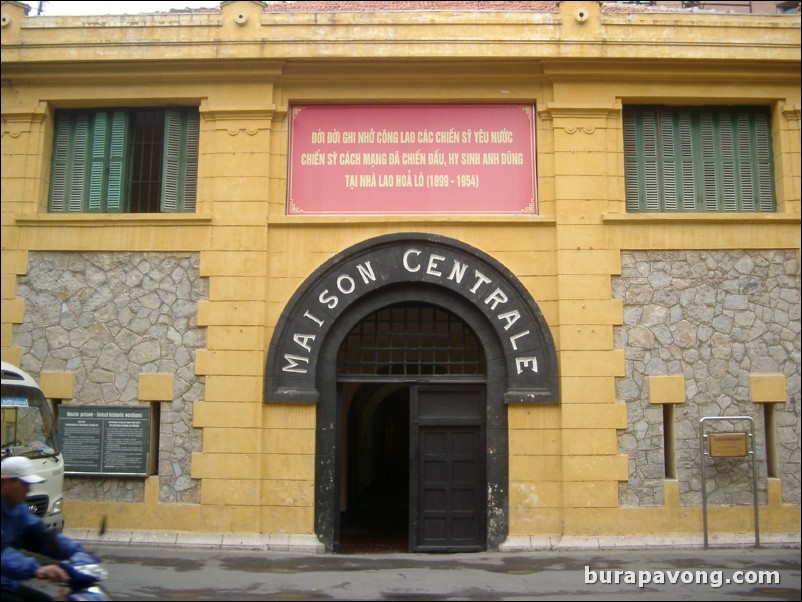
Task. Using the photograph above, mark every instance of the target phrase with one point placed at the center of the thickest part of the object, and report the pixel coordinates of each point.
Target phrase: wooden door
(448, 480)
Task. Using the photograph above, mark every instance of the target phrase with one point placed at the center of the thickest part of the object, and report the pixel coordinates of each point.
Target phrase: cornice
(671, 68)
(593, 111)
(120, 69)
(411, 34)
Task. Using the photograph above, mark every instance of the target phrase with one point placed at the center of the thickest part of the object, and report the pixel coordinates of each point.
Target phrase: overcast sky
(64, 7)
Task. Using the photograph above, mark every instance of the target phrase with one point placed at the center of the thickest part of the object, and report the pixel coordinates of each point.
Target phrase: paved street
(139, 572)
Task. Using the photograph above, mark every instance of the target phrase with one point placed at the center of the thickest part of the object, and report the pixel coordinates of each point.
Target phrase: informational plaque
(412, 159)
(103, 440)
(728, 445)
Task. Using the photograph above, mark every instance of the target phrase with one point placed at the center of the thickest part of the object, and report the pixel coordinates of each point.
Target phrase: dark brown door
(448, 476)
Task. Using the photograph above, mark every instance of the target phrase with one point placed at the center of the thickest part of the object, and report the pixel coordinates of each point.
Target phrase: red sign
(424, 159)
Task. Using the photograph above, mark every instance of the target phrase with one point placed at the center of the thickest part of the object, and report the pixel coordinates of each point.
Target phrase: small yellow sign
(728, 445)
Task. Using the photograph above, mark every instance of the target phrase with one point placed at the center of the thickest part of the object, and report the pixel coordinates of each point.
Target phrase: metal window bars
(411, 339)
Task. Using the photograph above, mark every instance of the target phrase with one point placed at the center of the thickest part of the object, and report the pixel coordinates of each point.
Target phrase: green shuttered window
(708, 159)
(125, 161)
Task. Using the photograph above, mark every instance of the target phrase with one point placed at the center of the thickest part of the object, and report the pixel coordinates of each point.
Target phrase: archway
(521, 364)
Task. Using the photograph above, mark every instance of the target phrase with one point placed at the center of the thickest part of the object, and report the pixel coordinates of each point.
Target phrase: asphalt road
(139, 572)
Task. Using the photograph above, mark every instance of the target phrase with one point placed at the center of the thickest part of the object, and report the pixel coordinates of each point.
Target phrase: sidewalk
(210, 571)
(310, 544)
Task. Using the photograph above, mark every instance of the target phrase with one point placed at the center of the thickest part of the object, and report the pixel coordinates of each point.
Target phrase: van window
(27, 424)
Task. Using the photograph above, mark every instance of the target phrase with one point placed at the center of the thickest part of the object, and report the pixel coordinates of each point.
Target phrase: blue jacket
(23, 530)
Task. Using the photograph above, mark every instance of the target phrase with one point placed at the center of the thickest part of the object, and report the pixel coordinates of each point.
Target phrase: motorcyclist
(23, 530)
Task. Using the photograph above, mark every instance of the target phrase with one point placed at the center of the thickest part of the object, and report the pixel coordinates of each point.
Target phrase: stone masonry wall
(715, 317)
(106, 318)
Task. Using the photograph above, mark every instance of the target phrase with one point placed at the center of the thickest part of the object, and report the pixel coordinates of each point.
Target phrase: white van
(28, 429)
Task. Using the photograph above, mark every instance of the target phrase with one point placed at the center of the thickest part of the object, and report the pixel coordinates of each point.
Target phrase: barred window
(139, 160)
(411, 339)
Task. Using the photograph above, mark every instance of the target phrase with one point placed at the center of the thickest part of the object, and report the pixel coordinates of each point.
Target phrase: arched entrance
(412, 382)
(405, 271)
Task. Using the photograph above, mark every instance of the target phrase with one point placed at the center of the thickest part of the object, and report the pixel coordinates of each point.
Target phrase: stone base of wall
(303, 543)
(735, 540)
(281, 542)
(716, 319)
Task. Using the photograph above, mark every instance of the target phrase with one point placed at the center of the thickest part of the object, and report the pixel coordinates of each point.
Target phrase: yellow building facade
(643, 318)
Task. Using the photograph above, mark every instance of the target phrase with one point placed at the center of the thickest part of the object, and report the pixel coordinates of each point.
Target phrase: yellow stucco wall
(257, 466)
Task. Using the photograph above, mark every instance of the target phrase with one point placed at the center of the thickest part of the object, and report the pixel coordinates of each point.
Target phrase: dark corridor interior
(377, 516)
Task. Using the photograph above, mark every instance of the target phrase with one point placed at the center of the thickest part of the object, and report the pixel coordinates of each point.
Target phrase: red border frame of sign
(313, 189)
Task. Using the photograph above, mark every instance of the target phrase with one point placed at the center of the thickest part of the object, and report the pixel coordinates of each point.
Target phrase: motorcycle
(85, 576)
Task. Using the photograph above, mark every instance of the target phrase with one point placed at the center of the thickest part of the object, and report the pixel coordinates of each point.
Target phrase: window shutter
(631, 163)
(687, 154)
(708, 171)
(650, 168)
(97, 170)
(672, 181)
(80, 161)
(763, 160)
(641, 160)
(727, 145)
(746, 175)
(180, 170)
(107, 176)
(70, 152)
(117, 161)
(171, 161)
(191, 162)
(59, 179)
